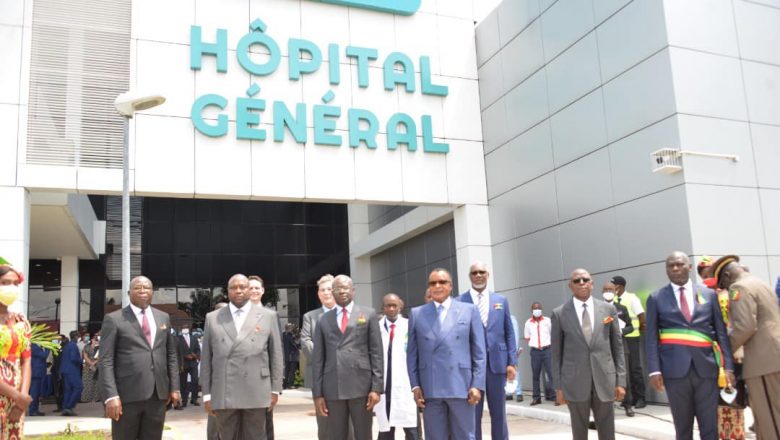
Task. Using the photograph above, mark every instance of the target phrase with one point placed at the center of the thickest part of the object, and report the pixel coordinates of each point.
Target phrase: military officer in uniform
(755, 321)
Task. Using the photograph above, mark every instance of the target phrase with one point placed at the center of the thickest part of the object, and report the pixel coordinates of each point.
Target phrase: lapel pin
(608, 320)
(163, 327)
(257, 329)
(361, 319)
(498, 306)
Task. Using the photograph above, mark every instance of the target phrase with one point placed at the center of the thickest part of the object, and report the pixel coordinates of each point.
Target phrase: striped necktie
(483, 308)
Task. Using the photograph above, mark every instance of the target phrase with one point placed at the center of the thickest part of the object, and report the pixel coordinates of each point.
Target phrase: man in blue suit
(501, 349)
(446, 361)
(38, 367)
(686, 339)
(70, 372)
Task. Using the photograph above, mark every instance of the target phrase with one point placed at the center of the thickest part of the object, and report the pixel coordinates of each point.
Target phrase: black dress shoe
(640, 404)
(629, 411)
(37, 413)
(518, 397)
(536, 402)
(194, 403)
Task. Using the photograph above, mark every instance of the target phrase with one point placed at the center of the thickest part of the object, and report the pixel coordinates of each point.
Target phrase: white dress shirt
(238, 319)
(149, 319)
(538, 332)
(578, 309)
(688, 295)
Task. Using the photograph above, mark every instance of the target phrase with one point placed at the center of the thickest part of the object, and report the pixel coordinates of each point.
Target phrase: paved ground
(294, 420)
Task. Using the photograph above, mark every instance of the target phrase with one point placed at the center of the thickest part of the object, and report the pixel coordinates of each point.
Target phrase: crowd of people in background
(707, 341)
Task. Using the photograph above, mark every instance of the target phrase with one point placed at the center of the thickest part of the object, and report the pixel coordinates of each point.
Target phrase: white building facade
(519, 135)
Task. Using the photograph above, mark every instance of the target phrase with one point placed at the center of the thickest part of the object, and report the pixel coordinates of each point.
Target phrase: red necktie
(392, 333)
(145, 327)
(686, 311)
(344, 320)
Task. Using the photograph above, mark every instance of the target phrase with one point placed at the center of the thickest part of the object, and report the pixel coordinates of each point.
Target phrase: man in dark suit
(348, 364)
(685, 337)
(291, 347)
(70, 374)
(139, 373)
(501, 349)
(38, 367)
(446, 361)
(310, 320)
(588, 365)
(189, 355)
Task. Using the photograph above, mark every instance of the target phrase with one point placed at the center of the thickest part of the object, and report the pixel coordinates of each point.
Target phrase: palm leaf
(43, 337)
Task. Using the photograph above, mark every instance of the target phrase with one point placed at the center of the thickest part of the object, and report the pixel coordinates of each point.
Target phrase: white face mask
(537, 313)
(608, 296)
(8, 294)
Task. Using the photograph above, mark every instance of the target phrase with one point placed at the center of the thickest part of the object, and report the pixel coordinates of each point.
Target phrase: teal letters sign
(305, 58)
(400, 7)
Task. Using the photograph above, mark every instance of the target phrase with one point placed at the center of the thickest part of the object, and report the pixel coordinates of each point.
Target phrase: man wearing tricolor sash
(688, 350)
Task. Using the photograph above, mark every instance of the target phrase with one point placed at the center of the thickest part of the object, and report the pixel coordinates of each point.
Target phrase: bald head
(238, 290)
(392, 305)
(479, 274)
(678, 268)
(343, 290)
(141, 292)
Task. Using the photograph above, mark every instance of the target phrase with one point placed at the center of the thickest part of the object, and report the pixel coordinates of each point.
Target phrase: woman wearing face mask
(15, 353)
(89, 372)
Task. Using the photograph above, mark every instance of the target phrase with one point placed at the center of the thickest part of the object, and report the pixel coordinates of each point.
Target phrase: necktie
(587, 327)
(440, 310)
(145, 327)
(483, 308)
(344, 319)
(686, 311)
(618, 300)
(237, 321)
(389, 378)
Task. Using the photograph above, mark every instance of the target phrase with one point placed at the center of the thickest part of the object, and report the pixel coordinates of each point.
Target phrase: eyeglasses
(479, 272)
(581, 280)
(438, 282)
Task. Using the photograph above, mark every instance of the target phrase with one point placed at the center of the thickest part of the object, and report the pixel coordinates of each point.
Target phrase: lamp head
(130, 102)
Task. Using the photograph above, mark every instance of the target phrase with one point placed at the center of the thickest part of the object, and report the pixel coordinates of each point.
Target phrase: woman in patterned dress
(89, 372)
(15, 372)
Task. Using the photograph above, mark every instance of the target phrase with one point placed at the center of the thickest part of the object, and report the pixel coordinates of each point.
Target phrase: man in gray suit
(347, 365)
(310, 319)
(588, 365)
(241, 365)
(139, 371)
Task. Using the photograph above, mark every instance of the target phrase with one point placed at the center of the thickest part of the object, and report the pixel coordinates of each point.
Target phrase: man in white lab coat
(396, 407)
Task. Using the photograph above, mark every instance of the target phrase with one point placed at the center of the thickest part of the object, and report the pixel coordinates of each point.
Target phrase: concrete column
(15, 235)
(69, 295)
(360, 267)
(472, 241)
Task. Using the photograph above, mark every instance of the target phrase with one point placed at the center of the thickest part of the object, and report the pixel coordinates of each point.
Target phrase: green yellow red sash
(693, 338)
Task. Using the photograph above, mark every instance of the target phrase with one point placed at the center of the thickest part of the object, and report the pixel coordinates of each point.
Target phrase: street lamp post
(127, 104)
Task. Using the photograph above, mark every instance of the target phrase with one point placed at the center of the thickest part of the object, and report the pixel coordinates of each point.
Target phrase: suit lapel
(356, 315)
(159, 321)
(133, 320)
(571, 312)
(251, 322)
(450, 319)
(431, 316)
(599, 313)
(225, 318)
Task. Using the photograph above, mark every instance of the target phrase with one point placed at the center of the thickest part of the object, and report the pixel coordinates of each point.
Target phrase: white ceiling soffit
(64, 225)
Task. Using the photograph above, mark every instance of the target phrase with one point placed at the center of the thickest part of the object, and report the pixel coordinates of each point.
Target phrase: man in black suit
(348, 364)
(189, 355)
(138, 366)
